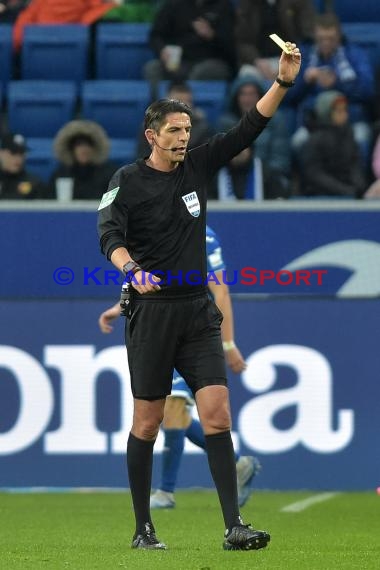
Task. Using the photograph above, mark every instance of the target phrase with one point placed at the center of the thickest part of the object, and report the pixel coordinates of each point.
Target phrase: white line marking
(306, 503)
(21, 490)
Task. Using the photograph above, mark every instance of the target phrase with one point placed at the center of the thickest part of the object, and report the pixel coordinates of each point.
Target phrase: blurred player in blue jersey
(178, 422)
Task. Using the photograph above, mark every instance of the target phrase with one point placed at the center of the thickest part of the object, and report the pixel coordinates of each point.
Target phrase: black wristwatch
(130, 268)
(285, 84)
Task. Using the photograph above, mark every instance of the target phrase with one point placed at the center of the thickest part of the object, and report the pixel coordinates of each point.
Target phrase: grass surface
(93, 531)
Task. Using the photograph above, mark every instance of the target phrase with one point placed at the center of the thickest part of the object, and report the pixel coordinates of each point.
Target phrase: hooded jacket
(59, 12)
(331, 157)
(273, 145)
(90, 180)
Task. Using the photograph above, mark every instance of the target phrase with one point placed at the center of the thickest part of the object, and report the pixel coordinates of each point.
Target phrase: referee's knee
(146, 429)
(147, 419)
(216, 423)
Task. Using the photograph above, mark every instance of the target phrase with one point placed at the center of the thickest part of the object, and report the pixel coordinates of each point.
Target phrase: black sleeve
(113, 216)
(221, 148)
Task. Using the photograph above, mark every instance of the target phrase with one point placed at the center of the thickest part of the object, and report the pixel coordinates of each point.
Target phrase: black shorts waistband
(172, 294)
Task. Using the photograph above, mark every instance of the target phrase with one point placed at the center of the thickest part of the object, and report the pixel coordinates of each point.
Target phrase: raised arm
(288, 70)
(222, 148)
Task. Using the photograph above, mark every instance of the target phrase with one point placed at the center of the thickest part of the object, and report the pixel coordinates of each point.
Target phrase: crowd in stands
(323, 142)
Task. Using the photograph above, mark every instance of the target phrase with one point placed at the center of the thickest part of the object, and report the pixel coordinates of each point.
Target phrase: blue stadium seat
(122, 50)
(207, 95)
(354, 11)
(367, 36)
(5, 52)
(40, 108)
(123, 151)
(40, 158)
(55, 52)
(116, 105)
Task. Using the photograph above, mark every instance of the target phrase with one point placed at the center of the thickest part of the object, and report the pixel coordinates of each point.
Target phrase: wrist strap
(130, 268)
(285, 84)
(228, 345)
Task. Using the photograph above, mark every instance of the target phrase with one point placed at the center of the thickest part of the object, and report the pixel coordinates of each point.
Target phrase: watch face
(129, 269)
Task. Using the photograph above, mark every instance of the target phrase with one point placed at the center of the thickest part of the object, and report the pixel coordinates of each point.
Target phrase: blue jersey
(215, 263)
(215, 260)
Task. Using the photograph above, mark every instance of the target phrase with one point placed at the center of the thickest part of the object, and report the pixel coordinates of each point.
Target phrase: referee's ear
(149, 135)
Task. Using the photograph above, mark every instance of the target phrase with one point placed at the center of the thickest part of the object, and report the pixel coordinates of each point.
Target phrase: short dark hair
(157, 111)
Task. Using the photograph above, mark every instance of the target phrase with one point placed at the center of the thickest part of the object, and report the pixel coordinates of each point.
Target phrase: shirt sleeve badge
(108, 198)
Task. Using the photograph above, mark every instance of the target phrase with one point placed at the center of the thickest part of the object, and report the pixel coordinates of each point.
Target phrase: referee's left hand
(289, 64)
(145, 282)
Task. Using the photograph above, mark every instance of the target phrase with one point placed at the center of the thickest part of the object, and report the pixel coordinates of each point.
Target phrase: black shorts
(179, 332)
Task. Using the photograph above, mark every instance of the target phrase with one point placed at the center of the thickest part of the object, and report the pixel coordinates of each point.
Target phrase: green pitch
(94, 531)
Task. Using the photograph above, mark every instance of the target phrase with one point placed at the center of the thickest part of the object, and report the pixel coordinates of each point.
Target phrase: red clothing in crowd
(55, 12)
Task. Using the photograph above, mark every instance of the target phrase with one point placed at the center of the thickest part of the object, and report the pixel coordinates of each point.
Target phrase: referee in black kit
(153, 220)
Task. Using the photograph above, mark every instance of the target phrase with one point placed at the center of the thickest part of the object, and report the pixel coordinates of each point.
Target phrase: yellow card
(277, 40)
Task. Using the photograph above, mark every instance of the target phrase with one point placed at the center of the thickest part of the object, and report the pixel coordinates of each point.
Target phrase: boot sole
(251, 544)
(152, 547)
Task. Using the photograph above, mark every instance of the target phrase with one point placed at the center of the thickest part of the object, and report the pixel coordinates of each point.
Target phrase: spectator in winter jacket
(203, 30)
(82, 148)
(332, 63)
(16, 183)
(272, 147)
(331, 160)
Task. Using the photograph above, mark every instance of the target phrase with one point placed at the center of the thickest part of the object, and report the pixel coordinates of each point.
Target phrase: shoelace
(150, 537)
(247, 526)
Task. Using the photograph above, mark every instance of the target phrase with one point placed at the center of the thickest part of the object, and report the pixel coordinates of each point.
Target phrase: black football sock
(221, 459)
(139, 462)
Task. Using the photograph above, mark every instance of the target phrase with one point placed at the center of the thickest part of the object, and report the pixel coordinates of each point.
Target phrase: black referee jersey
(160, 217)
